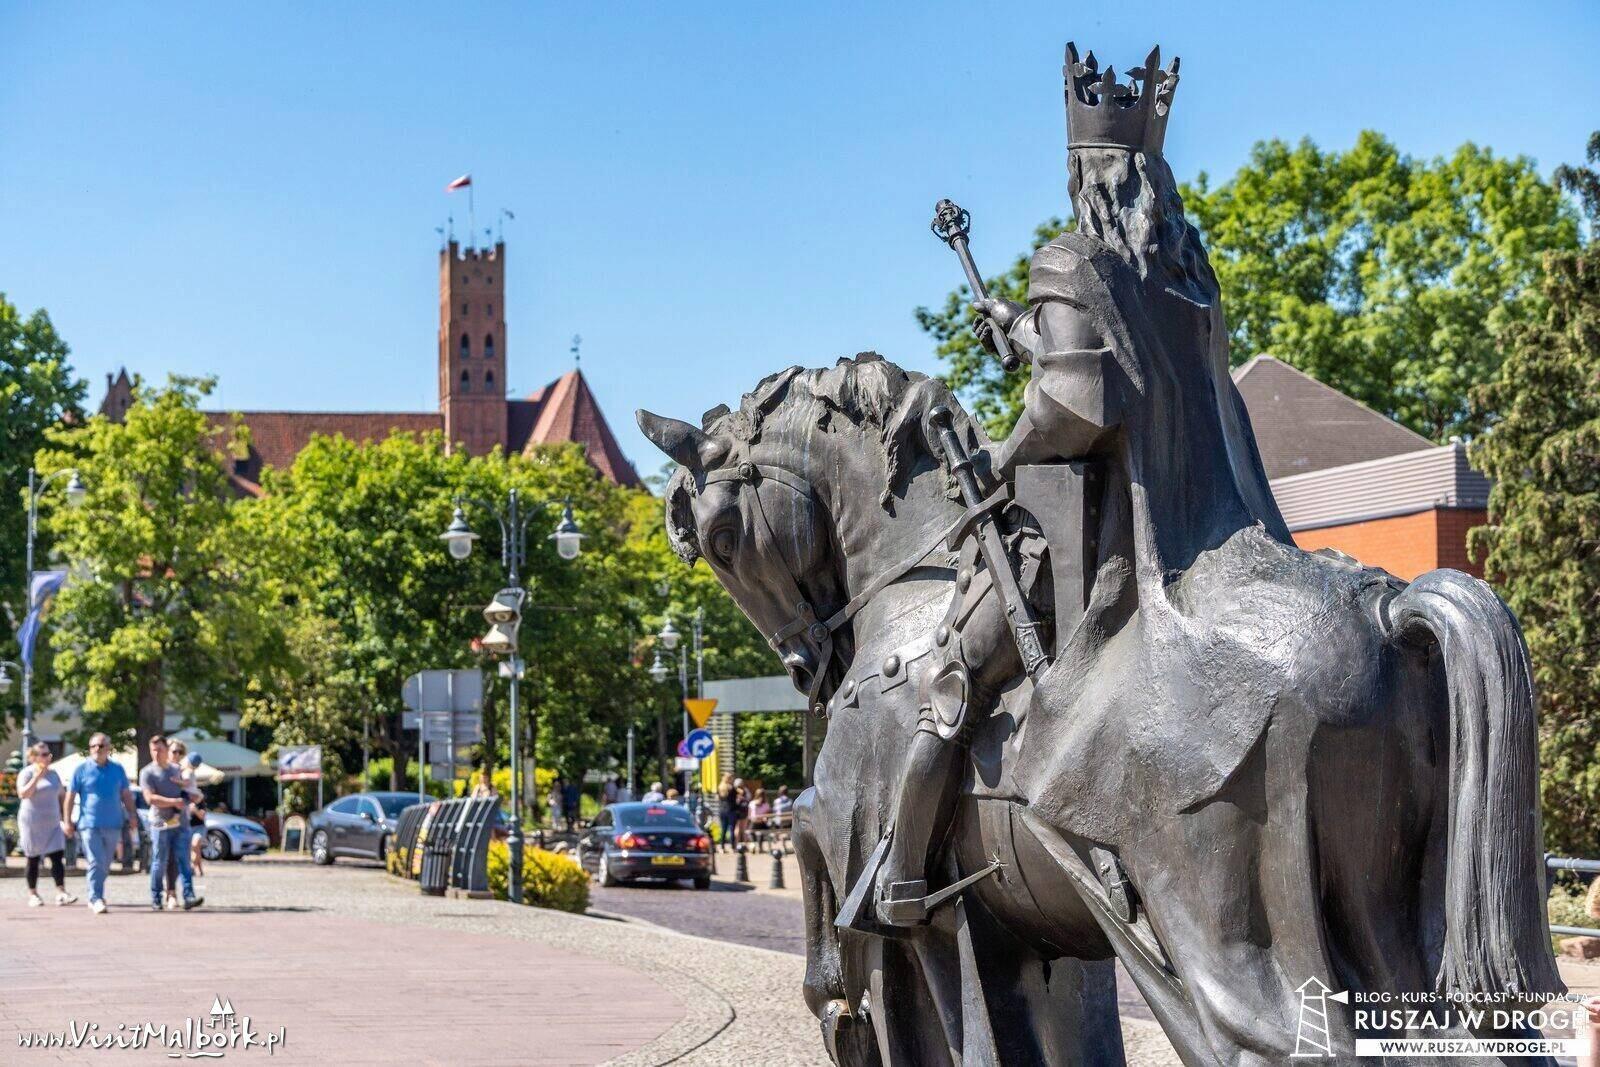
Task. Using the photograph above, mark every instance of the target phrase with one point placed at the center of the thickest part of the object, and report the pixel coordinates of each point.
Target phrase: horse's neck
(876, 541)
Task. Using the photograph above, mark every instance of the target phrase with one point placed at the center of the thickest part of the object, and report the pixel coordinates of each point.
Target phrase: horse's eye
(722, 543)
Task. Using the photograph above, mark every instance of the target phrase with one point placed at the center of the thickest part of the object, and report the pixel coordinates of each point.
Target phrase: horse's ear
(681, 533)
(905, 433)
(684, 443)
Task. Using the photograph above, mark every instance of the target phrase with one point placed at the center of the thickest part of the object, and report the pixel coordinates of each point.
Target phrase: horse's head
(776, 495)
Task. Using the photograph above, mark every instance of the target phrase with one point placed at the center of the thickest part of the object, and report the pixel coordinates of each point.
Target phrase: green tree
(1386, 276)
(37, 392)
(165, 608)
(771, 748)
(1542, 546)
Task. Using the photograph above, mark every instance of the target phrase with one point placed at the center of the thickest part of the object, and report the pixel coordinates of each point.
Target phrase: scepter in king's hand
(952, 224)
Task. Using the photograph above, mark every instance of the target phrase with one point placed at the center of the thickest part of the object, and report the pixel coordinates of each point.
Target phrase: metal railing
(1553, 864)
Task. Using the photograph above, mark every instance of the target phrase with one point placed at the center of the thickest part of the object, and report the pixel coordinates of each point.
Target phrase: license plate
(667, 861)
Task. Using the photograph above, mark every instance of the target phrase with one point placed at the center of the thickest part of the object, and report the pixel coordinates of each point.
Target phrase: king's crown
(1102, 113)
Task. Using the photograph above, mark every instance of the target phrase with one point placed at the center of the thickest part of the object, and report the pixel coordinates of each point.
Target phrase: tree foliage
(165, 607)
(37, 393)
(1388, 277)
(1542, 546)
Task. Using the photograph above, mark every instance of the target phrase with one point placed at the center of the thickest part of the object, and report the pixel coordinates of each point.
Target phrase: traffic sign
(700, 708)
(700, 743)
(683, 748)
(686, 763)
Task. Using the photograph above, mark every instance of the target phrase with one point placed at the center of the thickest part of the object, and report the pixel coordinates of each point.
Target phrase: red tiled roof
(566, 410)
(276, 437)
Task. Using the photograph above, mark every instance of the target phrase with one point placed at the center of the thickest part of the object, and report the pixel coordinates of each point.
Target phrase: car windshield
(631, 815)
(394, 803)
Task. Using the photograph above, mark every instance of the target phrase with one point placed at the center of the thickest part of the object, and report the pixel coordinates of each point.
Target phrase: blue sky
(704, 193)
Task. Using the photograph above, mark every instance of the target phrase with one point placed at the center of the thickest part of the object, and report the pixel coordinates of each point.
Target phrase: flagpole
(472, 216)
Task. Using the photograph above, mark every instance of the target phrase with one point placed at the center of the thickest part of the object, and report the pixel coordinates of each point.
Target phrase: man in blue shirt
(100, 786)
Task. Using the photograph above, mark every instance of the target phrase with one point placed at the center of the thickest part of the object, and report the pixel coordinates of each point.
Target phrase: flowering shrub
(549, 880)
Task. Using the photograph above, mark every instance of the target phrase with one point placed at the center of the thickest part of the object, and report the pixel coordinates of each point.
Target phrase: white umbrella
(233, 761)
(205, 774)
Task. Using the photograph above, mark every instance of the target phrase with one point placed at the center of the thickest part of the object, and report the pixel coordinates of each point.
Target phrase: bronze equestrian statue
(1087, 699)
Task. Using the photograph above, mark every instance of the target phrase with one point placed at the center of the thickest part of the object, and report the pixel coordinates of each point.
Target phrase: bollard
(777, 869)
(741, 867)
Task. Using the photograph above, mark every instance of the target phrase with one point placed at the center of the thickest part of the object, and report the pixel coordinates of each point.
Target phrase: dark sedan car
(359, 825)
(636, 841)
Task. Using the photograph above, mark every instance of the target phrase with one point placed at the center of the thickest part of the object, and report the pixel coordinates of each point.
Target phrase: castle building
(474, 412)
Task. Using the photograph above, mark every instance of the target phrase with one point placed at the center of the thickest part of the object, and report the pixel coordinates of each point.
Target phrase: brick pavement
(346, 988)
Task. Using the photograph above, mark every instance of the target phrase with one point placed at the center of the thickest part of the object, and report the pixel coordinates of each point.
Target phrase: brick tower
(472, 346)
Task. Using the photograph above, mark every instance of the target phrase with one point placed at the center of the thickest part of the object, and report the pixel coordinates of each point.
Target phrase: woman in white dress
(39, 820)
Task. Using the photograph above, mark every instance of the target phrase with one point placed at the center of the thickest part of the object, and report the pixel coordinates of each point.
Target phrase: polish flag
(460, 183)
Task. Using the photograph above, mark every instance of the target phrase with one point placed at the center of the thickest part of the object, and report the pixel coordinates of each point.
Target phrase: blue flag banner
(44, 585)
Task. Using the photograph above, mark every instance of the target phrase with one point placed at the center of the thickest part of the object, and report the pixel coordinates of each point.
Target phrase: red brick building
(1348, 478)
(474, 413)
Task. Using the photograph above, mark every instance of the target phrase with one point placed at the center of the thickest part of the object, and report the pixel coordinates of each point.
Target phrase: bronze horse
(1248, 768)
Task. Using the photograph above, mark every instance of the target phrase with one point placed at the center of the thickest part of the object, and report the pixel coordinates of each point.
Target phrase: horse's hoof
(835, 1017)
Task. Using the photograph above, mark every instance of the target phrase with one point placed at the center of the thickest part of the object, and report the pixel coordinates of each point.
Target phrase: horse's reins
(818, 633)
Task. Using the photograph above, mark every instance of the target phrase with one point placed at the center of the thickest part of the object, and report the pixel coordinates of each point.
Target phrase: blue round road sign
(701, 743)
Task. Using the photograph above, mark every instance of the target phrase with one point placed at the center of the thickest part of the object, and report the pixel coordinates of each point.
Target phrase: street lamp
(458, 538)
(670, 639)
(76, 493)
(658, 671)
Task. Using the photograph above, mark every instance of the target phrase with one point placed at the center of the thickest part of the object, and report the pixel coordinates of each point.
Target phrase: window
(488, 346)
(465, 308)
(345, 805)
(466, 382)
(488, 382)
(370, 806)
(466, 347)
(635, 815)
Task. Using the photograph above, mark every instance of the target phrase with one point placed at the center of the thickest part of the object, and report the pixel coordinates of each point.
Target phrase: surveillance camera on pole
(504, 615)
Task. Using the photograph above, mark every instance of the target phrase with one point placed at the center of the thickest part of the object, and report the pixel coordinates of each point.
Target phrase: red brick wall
(1404, 545)
(472, 293)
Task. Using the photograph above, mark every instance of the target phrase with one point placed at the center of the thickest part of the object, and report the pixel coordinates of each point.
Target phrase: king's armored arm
(1068, 407)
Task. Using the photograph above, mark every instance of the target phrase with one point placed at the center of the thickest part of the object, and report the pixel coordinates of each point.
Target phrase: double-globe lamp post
(670, 639)
(77, 492)
(458, 537)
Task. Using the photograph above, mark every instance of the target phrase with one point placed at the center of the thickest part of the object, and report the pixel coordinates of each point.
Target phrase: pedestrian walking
(741, 811)
(571, 803)
(194, 821)
(485, 784)
(609, 791)
(40, 820)
(162, 784)
(727, 811)
(655, 796)
(105, 807)
(556, 803)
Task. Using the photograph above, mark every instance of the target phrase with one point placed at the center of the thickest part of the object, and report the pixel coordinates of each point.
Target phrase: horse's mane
(864, 388)
(865, 393)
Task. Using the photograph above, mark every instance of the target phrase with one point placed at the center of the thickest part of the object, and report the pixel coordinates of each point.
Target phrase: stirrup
(909, 903)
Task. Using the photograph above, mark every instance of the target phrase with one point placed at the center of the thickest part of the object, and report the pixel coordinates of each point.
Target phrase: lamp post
(76, 493)
(458, 538)
(671, 640)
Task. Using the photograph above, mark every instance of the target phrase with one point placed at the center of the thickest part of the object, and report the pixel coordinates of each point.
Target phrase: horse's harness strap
(893, 574)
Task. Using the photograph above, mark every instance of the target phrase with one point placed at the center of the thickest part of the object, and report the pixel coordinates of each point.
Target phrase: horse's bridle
(817, 633)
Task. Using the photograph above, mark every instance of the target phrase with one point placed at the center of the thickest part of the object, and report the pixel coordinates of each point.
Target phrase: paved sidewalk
(355, 967)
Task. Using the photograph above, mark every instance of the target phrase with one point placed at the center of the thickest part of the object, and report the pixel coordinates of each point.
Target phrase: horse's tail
(1496, 938)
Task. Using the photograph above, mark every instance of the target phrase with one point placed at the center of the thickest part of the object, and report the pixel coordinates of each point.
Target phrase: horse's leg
(849, 1043)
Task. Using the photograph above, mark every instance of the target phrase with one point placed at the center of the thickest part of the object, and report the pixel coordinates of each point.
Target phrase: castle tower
(472, 346)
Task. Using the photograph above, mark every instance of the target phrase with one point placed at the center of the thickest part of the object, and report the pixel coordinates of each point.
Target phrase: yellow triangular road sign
(700, 709)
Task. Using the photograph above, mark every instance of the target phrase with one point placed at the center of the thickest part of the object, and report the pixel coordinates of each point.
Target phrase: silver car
(232, 837)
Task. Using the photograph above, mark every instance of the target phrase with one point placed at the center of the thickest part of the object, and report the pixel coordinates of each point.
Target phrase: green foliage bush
(549, 879)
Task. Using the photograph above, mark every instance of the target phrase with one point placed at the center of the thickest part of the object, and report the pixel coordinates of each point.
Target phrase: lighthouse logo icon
(1311, 1040)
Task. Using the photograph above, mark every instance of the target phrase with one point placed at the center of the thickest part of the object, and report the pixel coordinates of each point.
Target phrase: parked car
(359, 825)
(232, 837)
(638, 840)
